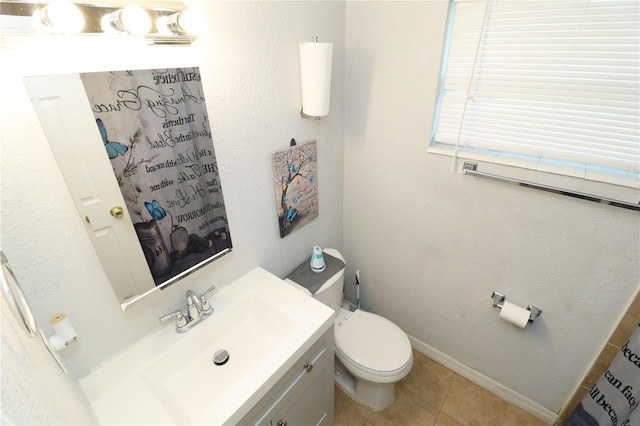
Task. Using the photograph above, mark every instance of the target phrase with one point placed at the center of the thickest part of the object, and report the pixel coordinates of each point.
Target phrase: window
(545, 85)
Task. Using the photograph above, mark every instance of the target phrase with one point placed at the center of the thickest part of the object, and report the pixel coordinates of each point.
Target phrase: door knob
(117, 212)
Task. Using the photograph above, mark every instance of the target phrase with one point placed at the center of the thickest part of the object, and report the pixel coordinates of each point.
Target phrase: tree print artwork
(295, 170)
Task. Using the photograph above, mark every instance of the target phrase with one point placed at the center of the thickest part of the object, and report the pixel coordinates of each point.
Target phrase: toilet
(372, 353)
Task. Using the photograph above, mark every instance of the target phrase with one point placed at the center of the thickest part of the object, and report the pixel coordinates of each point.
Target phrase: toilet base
(376, 396)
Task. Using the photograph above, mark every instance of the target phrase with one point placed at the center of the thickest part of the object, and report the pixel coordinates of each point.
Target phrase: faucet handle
(181, 321)
(207, 294)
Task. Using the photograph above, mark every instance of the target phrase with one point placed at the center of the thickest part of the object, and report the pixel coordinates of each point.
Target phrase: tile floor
(434, 395)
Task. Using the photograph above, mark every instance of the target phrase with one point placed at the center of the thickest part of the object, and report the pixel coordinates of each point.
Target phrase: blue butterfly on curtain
(113, 148)
(155, 210)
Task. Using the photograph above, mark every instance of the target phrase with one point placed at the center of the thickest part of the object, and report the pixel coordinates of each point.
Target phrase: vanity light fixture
(31, 23)
(130, 20)
(187, 22)
(59, 17)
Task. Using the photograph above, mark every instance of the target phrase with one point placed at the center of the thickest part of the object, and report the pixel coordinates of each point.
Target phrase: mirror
(136, 151)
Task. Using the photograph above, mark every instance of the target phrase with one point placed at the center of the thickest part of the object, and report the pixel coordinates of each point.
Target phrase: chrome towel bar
(15, 297)
(12, 292)
(470, 168)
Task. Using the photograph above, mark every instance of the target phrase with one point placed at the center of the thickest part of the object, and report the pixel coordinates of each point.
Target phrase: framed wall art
(295, 171)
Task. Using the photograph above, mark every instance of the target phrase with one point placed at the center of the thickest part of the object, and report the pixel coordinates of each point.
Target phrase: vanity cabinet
(304, 395)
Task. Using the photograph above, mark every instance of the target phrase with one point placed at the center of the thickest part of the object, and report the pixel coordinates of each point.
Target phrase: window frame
(589, 178)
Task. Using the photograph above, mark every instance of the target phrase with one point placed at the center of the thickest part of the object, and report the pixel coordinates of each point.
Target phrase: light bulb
(191, 22)
(186, 22)
(135, 20)
(59, 16)
(131, 19)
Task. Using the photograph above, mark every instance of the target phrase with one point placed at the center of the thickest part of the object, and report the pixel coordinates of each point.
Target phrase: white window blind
(551, 80)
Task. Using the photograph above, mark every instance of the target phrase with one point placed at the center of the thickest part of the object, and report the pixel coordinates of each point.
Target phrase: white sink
(186, 384)
(170, 378)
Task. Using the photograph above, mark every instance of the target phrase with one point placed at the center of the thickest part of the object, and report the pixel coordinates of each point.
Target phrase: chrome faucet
(198, 308)
(194, 305)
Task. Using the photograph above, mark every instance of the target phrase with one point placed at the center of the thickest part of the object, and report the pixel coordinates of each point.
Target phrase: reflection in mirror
(155, 131)
(151, 128)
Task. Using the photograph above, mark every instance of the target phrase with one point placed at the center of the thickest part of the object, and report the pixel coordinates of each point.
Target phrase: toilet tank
(331, 292)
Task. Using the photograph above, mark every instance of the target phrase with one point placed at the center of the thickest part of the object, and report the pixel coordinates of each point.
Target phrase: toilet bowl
(372, 353)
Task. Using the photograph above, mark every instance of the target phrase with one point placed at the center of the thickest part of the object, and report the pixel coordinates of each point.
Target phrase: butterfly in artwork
(113, 148)
(291, 214)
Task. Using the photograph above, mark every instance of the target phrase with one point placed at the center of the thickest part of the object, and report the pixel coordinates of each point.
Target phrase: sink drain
(221, 357)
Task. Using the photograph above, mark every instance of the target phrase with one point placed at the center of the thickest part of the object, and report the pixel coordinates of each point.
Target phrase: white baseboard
(479, 379)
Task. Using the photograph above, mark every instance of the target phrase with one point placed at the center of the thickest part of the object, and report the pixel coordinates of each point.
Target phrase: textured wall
(34, 389)
(432, 246)
(250, 65)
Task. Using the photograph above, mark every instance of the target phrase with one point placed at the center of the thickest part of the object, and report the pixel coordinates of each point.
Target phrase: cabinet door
(312, 403)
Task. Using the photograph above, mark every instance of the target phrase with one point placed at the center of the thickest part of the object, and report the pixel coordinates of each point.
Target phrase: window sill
(596, 181)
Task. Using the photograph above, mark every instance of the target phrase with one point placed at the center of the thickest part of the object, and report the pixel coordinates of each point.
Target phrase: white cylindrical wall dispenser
(315, 73)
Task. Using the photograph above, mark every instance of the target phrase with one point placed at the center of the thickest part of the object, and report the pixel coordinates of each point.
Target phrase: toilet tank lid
(373, 342)
(313, 281)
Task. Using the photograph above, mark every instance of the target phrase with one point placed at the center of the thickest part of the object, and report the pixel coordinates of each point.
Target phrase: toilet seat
(372, 347)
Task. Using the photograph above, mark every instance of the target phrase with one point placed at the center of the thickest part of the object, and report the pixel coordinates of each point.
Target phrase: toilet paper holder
(498, 302)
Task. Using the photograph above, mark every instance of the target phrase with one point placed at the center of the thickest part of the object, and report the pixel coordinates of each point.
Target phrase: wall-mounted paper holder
(315, 74)
(498, 302)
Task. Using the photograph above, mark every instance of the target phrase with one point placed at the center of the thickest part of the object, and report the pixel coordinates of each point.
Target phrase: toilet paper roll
(56, 343)
(315, 72)
(63, 328)
(514, 314)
